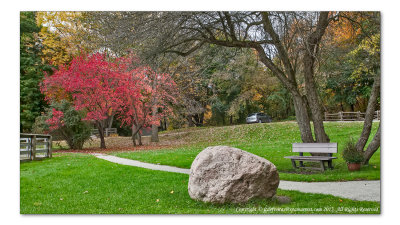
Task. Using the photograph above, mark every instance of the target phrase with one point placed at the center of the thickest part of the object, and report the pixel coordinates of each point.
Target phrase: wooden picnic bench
(327, 148)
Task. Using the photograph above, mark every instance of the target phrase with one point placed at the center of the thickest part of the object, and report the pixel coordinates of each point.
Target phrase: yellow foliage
(257, 96)
(343, 31)
(61, 34)
(208, 113)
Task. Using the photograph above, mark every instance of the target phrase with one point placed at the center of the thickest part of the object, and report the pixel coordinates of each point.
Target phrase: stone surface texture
(222, 174)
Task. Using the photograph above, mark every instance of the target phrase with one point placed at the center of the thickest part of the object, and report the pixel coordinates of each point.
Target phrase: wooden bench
(327, 148)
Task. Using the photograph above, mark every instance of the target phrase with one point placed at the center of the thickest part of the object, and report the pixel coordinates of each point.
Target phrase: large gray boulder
(222, 174)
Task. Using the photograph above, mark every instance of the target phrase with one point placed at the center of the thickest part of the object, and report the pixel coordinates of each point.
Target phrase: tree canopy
(211, 68)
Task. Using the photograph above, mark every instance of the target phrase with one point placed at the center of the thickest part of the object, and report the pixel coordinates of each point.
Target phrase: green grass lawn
(82, 184)
(272, 141)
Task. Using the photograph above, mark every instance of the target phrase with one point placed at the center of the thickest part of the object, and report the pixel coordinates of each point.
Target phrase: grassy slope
(82, 184)
(272, 141)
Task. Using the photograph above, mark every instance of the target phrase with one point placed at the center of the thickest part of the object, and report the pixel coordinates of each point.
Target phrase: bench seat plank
(315, 145)
(308, 158)
(315, 150)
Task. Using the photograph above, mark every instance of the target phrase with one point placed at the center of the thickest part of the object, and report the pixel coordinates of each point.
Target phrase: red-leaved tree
(56, 120)
(93, 83)
(156, 93)
(103, 87)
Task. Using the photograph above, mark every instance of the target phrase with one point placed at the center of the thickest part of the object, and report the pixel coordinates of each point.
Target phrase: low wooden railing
(349, 116)
(35, 146)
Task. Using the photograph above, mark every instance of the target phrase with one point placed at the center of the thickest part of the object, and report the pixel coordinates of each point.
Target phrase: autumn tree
(287, 43)
(102, 86)
(144, 91)
(93, 83)
(280, 47)
(352, 64)
(62, 36)
(100, 33)
(346, 78)
(194, 77)
(366, 58)
(245, 86)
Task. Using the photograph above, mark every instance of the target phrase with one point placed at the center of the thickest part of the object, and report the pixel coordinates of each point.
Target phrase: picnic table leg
(301, 162)
(294, 164)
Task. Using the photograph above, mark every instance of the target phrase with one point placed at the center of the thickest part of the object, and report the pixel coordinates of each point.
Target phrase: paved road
(355, 190)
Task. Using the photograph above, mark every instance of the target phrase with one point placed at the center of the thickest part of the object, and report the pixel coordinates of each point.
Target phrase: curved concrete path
(130, 162)
(355, 190)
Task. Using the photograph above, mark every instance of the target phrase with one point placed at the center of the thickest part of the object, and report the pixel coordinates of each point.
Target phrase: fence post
(106, 132)
(29, 147)
(50, 151)
(33, 147)
(341, 115)
(325, 116)
(358, 115)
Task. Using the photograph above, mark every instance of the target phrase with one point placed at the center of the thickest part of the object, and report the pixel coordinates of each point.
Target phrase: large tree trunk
(313, 100)
(312, 46)
(136, 134)
(165, 124)
(201, 120)
(190, 120)
(373, 146)
(100, 128)
(154, 128)
(300, 108)
(139, 137)
(154, 111)
(369, 114)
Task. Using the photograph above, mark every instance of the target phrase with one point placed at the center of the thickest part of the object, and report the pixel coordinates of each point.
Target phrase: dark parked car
(258, 118)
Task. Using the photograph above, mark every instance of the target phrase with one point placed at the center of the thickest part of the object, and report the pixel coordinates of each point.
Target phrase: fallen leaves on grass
(116, 149)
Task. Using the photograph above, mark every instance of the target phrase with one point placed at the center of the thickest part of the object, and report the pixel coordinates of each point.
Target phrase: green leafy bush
(73, 130)
(350, 153)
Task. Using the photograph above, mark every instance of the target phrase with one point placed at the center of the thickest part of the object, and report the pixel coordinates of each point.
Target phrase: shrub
(350, 153)
(62, 121)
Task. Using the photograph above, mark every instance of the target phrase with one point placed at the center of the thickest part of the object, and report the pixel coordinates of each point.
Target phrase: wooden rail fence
(107, 131)
(35, 146)
(350, 116)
